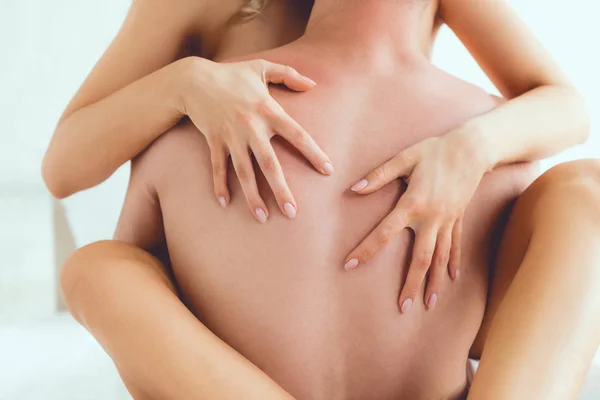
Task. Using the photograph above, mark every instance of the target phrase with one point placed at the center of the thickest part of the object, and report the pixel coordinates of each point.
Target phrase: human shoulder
(198, 13)
(175, 149)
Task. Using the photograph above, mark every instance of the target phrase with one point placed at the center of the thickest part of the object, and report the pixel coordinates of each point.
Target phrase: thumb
(399, 166)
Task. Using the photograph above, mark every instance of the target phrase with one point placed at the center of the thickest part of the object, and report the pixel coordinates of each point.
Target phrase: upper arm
(177, 157)
(140, 222)
(151, 37)
(502, 45)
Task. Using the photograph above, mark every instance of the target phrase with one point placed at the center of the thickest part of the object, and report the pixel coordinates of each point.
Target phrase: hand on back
(442, 174)
(231, 105)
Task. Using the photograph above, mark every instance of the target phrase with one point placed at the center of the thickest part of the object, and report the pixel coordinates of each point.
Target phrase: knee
(86, 271)
(573, 189)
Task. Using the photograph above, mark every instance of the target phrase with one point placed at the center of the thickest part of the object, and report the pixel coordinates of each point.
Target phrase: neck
(377, 29)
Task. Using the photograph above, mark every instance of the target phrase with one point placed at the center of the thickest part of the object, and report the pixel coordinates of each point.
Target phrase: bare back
(278, 293)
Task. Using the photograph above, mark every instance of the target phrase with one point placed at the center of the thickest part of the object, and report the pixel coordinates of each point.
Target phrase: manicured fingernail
(456, 274)
(406, 305)
(360, 185)
(223, 202)
(261, 215)
(432, 300)
(351, 264)
(290, 210)
(328, 168)
(307, 79)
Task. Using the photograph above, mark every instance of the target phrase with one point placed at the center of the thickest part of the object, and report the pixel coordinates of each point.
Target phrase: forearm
(90, 144)
(535, 125)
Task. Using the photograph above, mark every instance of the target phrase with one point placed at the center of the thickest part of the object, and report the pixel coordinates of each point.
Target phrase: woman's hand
(231, 105)
(442, 174)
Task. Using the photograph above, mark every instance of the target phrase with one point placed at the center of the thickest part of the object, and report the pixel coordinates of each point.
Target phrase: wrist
(190, 74)
(472, 140)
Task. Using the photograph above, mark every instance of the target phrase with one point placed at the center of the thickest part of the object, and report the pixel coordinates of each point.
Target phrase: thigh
(107, 270)
(126, 299)
(544, 198)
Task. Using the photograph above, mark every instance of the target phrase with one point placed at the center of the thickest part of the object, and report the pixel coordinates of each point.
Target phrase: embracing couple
(425, 237)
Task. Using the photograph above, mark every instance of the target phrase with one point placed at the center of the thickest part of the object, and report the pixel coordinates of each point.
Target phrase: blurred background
(47, 48)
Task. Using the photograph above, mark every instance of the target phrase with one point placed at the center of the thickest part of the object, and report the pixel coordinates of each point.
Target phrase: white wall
(47, 49)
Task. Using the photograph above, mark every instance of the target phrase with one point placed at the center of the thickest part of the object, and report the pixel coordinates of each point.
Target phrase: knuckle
(225, 132)
(218, 169)
(261, 63)
(298, 136)
(379, 173)
(243, 173)
(265, 107)
(216, 136)
(366, 250)
(244, 116)
(253, 199)
(281, 193)
(441, 260)
(289, 71)
(437, 210)
(385, 233)
(411, 291)
(415, 204)
(269, 164)
(365, 253)
(213, 140)
(423, 260)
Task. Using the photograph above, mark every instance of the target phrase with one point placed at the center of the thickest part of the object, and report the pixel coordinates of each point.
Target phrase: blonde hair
(252, 8)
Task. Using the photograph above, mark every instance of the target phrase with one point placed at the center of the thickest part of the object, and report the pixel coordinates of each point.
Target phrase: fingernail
(456, 274)
(351, 264)
(307, 79)
(328, 168)
(360, 185)
(432, 300)
(406, 305)
(223, 202)
(261, 215)
(290, 210)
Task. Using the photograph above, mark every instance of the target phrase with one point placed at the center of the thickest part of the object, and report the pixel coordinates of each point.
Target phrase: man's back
(278, 292)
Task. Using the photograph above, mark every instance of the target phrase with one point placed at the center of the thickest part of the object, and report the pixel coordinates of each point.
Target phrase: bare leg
(545, 297)
(124, 297)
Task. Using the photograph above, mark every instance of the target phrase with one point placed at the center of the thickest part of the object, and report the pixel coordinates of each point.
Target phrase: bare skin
(277, 293)
(177, 345)
(391, 193)
(541, 322)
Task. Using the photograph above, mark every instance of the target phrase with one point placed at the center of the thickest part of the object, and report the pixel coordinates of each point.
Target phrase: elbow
(579, 112)
(575, 108)
(585, 120)
(54, 180)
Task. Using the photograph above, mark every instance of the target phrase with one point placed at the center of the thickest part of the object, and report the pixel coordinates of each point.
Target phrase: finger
(219, 157)
(387, 229)
(401, 165)
(286, 75)
(421, 261)
(245, 173)
(439, 267)
(455, 250)
(291, 131)
(271, 168)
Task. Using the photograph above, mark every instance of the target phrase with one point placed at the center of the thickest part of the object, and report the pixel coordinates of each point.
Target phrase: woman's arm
(544, 114)
(134, 95)
(127, 101)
